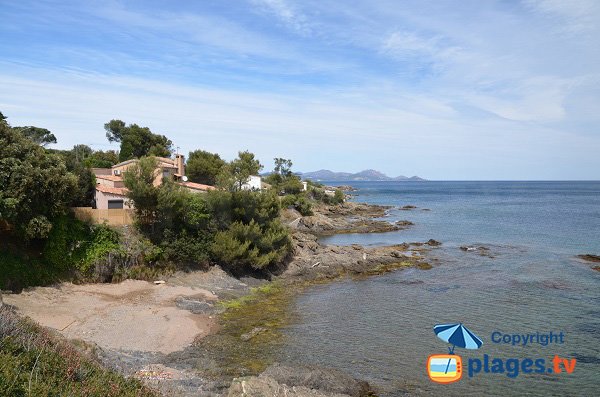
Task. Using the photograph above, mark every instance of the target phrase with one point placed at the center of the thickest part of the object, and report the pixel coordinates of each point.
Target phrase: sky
(447, 90)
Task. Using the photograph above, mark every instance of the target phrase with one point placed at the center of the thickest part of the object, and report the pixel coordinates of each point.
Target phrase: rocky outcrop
(312, 260)
(264, 386)
(480, 250)
(299, 381)
(344, 218)
(589, 257)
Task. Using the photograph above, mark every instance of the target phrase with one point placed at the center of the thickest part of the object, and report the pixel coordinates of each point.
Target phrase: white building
(253, 183)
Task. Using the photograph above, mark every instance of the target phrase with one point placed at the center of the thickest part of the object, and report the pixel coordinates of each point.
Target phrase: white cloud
(539, 99)
(286, 13)
(576, 16)
(488, 89)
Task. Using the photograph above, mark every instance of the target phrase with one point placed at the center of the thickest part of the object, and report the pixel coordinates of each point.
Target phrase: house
(253, 183)
(111, 192)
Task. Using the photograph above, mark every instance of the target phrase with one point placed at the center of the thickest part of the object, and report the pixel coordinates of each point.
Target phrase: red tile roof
(197, 186)
(113, 178)
(119, 191)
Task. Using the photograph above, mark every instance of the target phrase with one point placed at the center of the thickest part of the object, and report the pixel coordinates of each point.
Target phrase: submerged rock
(255, 331)
(408, 207)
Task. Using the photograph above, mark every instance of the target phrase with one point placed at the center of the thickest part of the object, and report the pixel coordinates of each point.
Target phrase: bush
(338, 197)
(299, 202)
(248, 246)
(75, 247)
(249, 235)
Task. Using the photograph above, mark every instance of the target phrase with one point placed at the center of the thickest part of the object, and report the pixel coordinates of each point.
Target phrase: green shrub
(74, 246)
(338, 197)
(20, 270)
(186, 249)
(299, 202)
(248, 246)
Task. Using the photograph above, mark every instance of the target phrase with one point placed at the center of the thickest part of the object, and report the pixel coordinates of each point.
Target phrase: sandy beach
(133, 315)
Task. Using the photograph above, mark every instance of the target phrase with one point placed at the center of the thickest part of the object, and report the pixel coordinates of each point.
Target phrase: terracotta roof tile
(120, 191)
(197, 186)
(113, 178)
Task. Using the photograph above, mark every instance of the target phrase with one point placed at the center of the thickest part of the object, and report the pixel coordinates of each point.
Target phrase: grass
(34, 362)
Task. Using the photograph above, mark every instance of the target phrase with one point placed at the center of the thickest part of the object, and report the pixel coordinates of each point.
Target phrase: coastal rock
(335, 260)
(344, 218)
(480, 250)
(408, 207)
(255, 331)
(404, 223)
(433, 243)
(263, 386)
(195, 306)
(324, 380)
(589, 257)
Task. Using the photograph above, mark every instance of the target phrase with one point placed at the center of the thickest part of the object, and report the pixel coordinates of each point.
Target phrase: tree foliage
(250, 235)
(139, 180)
(283, 166)
(236, 173)
(172, 217)
(40, 136)
(35, 186)
(283, 179)
(203, 167)
(136, 141)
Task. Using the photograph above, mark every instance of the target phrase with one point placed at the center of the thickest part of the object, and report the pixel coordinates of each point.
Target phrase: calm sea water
(380, 328)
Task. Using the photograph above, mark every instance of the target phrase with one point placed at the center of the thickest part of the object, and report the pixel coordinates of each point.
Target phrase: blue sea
(526, 280)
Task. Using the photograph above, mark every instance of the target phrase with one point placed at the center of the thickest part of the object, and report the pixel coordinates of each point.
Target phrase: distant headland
(366, 175)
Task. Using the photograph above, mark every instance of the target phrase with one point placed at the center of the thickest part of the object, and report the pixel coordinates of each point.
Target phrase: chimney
(179, 160)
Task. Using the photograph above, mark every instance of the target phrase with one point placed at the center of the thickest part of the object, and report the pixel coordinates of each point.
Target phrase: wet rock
(408, 207)
(255, 331)
(433, 243)
(317, 378)
(404, 223)
(483, 251)
(195, 306)
(263, 386)
(589, 257)
(396, 254)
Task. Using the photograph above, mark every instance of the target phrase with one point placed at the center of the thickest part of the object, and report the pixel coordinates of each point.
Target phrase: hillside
(366, 175)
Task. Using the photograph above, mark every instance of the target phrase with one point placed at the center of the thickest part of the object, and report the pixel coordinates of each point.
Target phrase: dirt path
(133, 315)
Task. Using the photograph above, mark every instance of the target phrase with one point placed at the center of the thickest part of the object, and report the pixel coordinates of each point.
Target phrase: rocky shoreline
(348, 217)
(178, 368)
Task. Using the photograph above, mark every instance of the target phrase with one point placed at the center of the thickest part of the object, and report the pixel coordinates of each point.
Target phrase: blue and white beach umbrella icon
(458, 335)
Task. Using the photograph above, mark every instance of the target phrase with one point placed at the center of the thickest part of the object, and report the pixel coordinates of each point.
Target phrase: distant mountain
(366, 175)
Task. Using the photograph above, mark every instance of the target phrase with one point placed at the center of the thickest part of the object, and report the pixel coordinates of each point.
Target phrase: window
(115, 204)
